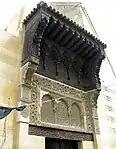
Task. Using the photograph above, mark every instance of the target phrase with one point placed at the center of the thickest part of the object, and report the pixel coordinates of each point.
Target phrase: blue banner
(4, 111)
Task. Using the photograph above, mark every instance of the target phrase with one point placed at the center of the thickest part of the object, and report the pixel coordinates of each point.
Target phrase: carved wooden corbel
(94, 69)
(39, 32)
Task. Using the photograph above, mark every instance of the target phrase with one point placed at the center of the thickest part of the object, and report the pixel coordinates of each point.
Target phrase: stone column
(26, 141)
(91, 119)
(88, 124)
(96, 130)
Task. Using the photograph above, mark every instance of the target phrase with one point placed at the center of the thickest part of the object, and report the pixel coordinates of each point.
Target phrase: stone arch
(47, 109)
(62, 113)
(76, 115)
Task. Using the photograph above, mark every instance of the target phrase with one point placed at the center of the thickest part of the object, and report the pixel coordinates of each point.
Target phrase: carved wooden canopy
(62, 49)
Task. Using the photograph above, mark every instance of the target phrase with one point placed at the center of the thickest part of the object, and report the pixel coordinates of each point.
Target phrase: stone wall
(10, 55)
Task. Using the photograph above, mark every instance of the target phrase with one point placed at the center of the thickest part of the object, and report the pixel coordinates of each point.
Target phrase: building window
(108, 98)
(108, 108)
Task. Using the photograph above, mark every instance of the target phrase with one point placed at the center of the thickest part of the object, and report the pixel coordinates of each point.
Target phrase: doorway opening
(51, 143)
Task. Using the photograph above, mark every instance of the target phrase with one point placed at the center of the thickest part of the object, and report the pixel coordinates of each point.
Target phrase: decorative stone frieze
(59, 134)
(57, 87)
(59, 91)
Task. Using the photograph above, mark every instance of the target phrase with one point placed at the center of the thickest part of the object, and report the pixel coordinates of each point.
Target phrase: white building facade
(107, 118)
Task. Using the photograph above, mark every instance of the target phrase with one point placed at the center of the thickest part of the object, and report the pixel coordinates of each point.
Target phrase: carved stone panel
(59, 134)
(88, 114)
(47, 110)
(57, 87)
(75, 116)
(62, 113)
(96, 125)
(62, 105)
(33, 106)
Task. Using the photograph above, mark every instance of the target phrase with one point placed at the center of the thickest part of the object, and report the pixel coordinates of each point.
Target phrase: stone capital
(93, 97)
(27, 72)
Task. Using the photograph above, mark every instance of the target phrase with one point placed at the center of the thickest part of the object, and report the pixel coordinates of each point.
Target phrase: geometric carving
(58, 87)
(62, 113)
(59, 134)
(75, 116)
(59, 111)
(34, 102)
(88, 114)
(67, 107)
(27, 72)
(93, 97)
(47, 111)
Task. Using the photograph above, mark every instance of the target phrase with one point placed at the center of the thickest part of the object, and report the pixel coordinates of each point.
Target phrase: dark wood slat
(82, 47)
(88, 49)
(50, 28)
(78, 44)
(71, 41)
(55, 32)
(66, 38)
(91, 54)
(61, 35)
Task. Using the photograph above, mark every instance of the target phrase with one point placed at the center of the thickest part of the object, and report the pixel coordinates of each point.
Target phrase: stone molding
(59, 134)
(93, 98)
(27, 72)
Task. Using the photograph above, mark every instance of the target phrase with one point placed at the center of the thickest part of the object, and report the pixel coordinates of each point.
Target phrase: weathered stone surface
(74, 102)
(59, 134)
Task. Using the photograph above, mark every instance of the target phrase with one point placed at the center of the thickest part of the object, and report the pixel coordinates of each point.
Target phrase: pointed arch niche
(47, 110)
(76, 115)
(62, 113)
